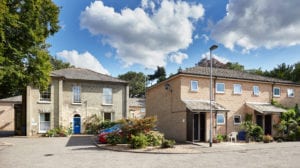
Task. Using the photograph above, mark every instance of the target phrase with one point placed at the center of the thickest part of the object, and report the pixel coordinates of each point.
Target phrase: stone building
(137, 108)
(11, 116)
(182, 106)
(73, 95)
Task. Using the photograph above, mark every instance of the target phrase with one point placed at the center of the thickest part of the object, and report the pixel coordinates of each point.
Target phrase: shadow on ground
(80, 140)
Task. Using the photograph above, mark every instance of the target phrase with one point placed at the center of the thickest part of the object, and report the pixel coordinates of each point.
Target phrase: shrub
(257, 133)
(137, 126)
(267, 138)
(114, 138)
(220, 138)
(106, 124)
(253, 131)
(92, 124)
(168, 143)
(57, 132)
(138, 141)
(154, 138)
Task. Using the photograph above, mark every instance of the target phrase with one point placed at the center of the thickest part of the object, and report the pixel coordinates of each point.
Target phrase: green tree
(296, 72)
(256, 71)
(282, 71)
(235, 66)
(59, 64)
(24, 27)
(159, 74)
(136, 83)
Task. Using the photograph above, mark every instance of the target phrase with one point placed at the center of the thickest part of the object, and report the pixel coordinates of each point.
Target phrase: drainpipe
(272, 92)
(214, 89)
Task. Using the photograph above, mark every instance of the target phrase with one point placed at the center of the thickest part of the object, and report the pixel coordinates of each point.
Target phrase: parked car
(103, 133)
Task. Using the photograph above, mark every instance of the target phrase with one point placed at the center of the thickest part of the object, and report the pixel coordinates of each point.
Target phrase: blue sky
(117, 36)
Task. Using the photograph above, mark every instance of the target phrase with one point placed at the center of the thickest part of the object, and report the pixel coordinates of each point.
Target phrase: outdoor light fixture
(213, 47)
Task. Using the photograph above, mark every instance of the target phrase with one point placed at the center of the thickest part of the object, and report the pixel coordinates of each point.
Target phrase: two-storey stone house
(73, 95)
(182, 106)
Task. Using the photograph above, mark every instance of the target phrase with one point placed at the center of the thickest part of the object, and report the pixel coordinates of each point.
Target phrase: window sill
(276, 95)
(77, 104)
(220, 124)
(107, 104)
(44, 102)
(194, 91)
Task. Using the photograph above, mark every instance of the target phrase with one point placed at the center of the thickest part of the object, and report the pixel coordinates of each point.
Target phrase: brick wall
(165, 104)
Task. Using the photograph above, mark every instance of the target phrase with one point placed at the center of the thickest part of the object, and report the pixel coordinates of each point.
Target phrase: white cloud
(259, 23)
(178, 57)
(219, 58)
(196, 37)
(205, 37)
(108, 54)
(140, 37)
(82, 60)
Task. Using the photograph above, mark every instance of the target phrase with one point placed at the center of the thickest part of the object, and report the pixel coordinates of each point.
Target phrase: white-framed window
(276, 92)
(107, 117)
(194, 86)
(45, 96)
(237, 119)
(255, 90)
(44, 125)
(237, 89)
(290, 93)
(143, 110)
(76, 94)
(220, 88)
(220, 119)
(107, 96)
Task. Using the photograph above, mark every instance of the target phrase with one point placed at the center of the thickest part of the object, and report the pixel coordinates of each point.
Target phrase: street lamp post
(213, 47)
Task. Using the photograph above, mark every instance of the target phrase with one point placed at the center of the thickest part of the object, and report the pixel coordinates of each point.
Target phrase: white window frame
(235, 123)
(290, 91)
(256, 90)
(275, 95)
(76, 94)
(217, 91)
(237, 89)
(143, 110)
(45, 92)
(194, 83)
(219, 123)
(110, 96)
(44, 122)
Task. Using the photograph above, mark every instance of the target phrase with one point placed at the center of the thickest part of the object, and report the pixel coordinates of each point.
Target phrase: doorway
(268, 124)
(76, 124)
(199, 127)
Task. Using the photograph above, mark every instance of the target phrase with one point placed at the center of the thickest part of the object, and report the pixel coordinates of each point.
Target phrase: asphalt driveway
(79, 151)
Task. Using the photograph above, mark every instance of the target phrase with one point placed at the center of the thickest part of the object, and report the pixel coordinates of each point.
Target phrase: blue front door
(76, 125)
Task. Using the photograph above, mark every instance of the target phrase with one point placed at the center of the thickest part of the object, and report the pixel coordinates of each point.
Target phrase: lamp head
(213, 47)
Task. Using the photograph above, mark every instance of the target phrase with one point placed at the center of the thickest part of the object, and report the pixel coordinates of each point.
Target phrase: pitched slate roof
(15, 99)
(232, 74)
(203, 106)
(137, 102)
(265, 108)
(84, 74)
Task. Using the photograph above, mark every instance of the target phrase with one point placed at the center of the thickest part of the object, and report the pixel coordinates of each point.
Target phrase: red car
(103, 133)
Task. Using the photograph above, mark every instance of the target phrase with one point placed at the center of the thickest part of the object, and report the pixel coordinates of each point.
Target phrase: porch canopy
(203, 106)
(265, 108)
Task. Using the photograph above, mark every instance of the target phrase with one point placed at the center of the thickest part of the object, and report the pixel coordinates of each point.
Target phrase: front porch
(198, 119)
(266, 116)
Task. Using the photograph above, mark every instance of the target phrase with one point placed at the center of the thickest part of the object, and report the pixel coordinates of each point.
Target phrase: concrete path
(79, 151)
